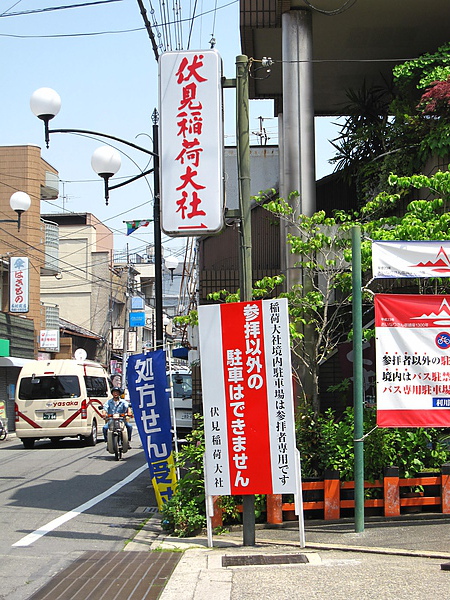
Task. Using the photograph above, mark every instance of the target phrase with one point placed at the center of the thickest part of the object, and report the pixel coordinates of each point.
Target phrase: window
(49, 387)
(96, 386)
(182, 385)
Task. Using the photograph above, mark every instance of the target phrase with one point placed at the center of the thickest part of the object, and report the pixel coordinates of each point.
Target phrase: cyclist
(117, 405)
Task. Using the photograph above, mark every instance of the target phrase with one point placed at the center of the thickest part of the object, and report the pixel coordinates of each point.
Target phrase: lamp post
(45, 103)
(19, 202)
(171, 263)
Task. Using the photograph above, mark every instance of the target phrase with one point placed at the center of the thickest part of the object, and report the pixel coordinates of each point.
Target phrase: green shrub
(326, 441)
(185, 512)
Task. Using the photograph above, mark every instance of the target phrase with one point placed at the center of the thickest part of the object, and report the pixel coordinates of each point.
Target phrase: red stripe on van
(96, 405)
(70, 419)
(20, 415)
(81, 410)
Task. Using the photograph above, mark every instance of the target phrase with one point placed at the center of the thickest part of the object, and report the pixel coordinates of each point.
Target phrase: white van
(60, 398)
(182, 399)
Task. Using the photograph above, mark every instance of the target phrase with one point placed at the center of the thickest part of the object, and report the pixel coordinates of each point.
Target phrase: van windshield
(182, 385)
(49, 387)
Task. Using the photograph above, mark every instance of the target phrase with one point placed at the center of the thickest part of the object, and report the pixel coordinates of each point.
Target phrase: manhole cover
(263, 559)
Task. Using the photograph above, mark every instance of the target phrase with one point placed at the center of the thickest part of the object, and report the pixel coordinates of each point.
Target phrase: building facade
(23, 169)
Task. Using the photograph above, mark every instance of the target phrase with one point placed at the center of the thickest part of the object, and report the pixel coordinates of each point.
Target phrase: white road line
(33, 537)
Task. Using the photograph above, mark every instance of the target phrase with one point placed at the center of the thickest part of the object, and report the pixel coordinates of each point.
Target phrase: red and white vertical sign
(413, 360)
(247, 398)
(191, 143)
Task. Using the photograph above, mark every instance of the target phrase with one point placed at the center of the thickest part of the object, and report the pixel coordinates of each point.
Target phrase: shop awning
(180, 353)
(13, 361)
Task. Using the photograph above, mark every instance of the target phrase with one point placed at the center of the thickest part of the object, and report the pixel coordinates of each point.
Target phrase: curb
(151, 538)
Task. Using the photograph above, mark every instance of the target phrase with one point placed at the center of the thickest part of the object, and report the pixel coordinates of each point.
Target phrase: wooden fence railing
(330, 496)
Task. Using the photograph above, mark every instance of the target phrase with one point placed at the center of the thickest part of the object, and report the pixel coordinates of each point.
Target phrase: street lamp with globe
(19, 202)
(171, 263)
(45, 103)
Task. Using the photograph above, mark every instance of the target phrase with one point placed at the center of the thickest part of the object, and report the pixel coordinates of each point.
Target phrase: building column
(298, 137)
(298, 149)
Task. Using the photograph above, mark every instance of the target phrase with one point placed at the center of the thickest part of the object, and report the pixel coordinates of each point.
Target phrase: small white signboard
(18, 284)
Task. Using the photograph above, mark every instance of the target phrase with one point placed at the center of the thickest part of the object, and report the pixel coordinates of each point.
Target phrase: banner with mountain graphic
(411, 259)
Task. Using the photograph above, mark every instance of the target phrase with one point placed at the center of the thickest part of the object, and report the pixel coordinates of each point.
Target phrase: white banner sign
(18, 284)
(247, 398)
(412, 360)
(191, 143)
(411, 259)
(49, 339)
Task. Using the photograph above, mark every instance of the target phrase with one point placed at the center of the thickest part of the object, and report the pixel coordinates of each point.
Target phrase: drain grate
(263, 559)
(146, 509)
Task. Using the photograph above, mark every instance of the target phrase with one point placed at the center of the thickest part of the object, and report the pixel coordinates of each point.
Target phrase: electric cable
(331, 13)
(55, 8)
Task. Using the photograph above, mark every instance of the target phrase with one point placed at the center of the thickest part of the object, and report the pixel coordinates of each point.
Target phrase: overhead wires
(331, 13)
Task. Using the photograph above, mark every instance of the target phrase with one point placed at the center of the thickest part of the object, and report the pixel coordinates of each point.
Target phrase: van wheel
(91, 439)
(28, 443)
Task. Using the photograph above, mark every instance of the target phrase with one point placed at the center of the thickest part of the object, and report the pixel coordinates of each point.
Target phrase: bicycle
(3, 430)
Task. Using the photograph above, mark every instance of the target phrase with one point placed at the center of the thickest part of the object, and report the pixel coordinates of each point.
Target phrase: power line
(55, 8)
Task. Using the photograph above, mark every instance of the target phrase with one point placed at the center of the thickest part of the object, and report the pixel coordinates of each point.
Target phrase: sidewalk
(403, 559)
(398, 559)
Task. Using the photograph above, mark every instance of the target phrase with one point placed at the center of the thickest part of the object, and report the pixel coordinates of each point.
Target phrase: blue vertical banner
(147, 386)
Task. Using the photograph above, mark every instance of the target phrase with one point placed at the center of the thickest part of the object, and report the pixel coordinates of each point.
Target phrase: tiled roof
(76, 329)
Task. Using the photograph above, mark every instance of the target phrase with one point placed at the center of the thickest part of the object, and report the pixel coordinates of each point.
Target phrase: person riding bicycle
(117, 405)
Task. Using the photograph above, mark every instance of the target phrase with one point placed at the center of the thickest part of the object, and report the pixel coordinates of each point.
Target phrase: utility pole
(157, 236)
(243, 156)
(126, 324)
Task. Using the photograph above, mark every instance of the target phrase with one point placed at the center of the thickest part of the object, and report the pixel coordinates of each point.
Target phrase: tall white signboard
(191, 143)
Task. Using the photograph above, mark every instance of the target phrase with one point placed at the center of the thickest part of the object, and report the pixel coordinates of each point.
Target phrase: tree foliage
(323, 249)
(398, 126)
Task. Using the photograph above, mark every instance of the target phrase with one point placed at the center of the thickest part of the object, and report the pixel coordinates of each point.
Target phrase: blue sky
(108, 83)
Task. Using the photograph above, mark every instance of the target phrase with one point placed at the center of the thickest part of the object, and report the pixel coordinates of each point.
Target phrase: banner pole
(172, 405)
(209, 506)
(358, 394)
(298, 498)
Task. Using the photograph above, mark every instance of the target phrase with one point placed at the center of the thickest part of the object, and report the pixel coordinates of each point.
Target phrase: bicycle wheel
(116, 447)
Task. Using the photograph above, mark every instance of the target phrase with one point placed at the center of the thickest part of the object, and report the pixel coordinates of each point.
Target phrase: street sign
(137, 319)
(137, 303)
(18, 284)
(49, 339)
(191, 143)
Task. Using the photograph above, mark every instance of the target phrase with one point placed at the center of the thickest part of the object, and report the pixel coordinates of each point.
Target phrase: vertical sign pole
(157, 236)
(243, 156)
(172, 403)
(358, 379)
(299, 500)
(209, 510)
